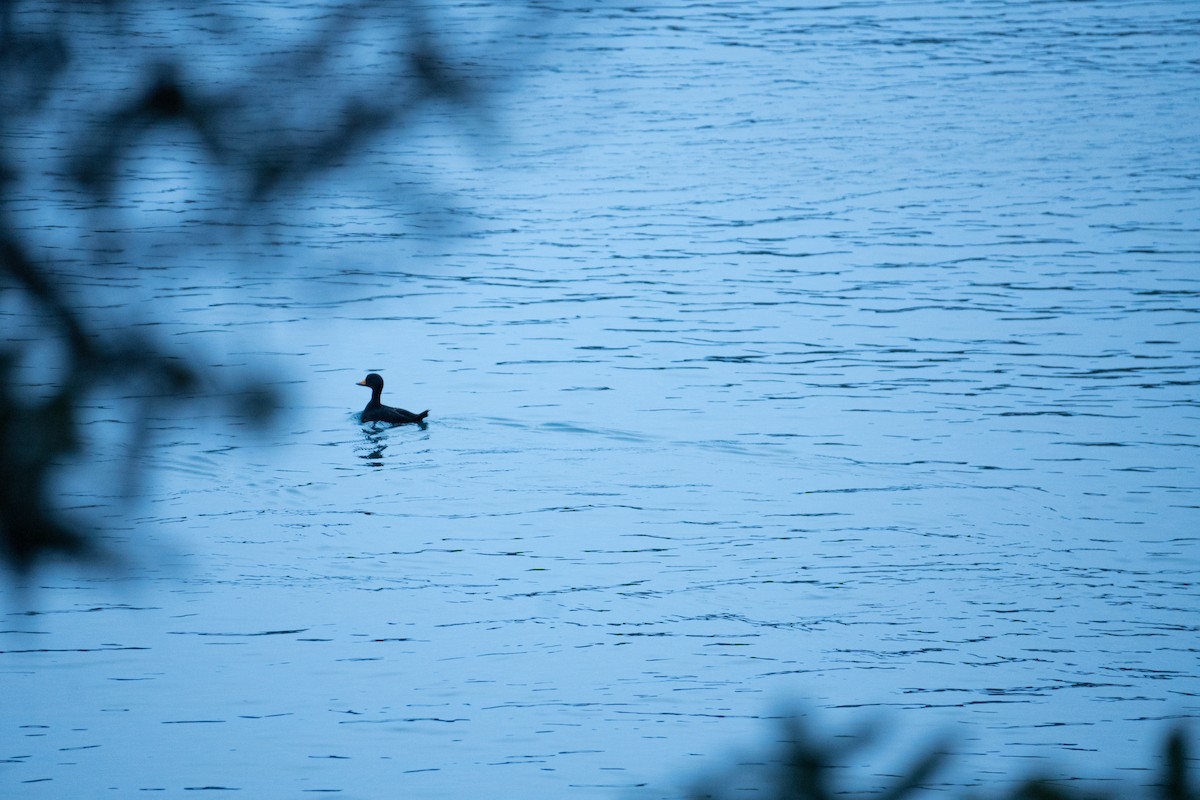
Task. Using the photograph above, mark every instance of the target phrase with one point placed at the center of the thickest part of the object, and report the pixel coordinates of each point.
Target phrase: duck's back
(393, 416)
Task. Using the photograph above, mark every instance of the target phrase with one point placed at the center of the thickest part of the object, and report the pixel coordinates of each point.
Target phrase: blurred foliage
(265, 146)
(806, 766)
(79, 79)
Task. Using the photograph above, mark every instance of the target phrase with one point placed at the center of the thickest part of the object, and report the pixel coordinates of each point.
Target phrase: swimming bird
(378, 412)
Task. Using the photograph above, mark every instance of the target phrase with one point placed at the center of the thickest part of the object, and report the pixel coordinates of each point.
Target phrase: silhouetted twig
(265, 144)
(806, 767)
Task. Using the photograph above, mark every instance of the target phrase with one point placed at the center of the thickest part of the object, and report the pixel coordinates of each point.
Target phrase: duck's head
(372, 381)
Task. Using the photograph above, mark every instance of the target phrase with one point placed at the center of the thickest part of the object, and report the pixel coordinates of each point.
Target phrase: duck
(378, 412)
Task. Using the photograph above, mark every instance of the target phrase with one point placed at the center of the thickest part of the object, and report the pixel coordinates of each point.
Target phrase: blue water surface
(834, 357)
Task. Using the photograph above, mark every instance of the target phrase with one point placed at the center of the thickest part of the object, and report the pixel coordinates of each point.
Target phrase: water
(838, 357)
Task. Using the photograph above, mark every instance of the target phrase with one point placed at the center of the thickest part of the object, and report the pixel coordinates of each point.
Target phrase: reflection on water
(375, 438)
(839, 354)
(374, 443)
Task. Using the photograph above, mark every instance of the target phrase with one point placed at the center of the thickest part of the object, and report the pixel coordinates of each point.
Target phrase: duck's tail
(421, 417)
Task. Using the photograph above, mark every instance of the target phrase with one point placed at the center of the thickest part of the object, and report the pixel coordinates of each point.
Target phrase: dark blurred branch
(1176, 784)
(268, 130)
(38, 284)
(33, 439)
(165, 101)
(807, 767)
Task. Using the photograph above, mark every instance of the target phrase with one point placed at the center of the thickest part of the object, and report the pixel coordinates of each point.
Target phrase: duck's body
(378, 412)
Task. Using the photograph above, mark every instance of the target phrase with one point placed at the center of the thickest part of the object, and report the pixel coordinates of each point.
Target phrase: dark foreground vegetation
(83, 104)
(806, 766)
(47, 53)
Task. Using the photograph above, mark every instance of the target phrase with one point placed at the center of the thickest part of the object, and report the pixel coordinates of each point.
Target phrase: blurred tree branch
(75, 74)
(806, 766)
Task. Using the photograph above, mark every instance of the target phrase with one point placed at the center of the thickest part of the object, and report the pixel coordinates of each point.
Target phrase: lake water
(834, 357)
